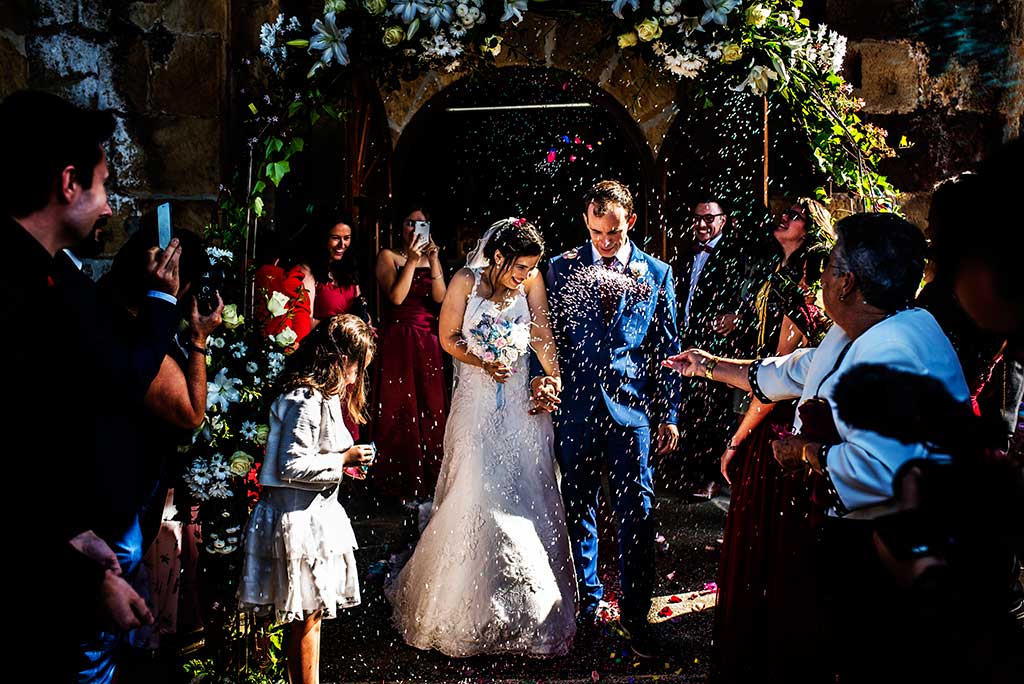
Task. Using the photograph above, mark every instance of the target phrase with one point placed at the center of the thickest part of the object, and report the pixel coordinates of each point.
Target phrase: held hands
(201, 326)
(668, 438)
(163, 267)
(359, 455)
(691, 363)
(544, 392)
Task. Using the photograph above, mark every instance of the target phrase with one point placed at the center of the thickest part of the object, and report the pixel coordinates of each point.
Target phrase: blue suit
(614, 388)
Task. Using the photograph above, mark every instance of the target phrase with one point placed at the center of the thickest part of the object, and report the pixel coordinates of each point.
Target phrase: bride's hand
(499, 372)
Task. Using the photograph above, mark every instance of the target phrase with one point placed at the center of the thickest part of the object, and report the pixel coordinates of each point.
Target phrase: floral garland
(763, 47)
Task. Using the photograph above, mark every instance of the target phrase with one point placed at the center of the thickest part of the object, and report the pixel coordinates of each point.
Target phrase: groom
(613, 316)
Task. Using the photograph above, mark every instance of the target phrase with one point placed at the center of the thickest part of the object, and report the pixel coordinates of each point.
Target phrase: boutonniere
(571, 254)
(638, 269)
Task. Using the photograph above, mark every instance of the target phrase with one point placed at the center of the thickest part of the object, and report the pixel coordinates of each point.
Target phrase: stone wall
(160, 65)
(947, 74)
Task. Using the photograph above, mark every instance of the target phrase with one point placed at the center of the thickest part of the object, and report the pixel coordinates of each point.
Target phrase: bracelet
(435, 277)
(709, 367)
(732, 447)
(193, 347)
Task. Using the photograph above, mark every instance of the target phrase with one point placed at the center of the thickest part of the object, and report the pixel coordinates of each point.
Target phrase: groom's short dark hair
(606, 193)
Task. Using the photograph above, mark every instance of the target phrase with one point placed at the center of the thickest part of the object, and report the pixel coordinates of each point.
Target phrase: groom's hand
(544, 392)
(668, 438)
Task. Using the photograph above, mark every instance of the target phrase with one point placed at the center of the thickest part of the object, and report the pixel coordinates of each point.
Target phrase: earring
(842, 297)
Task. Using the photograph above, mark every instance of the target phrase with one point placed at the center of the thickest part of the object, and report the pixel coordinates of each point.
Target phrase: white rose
(277, 304)
(231, 317)
(757, 15)
(286, 337)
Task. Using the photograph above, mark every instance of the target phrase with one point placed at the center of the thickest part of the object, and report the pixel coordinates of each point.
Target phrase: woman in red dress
(329, 279)
(412, 401)
(765, 616)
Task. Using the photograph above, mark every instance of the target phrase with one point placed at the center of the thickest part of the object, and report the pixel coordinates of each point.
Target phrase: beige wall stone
(892, 75)
(192, 80)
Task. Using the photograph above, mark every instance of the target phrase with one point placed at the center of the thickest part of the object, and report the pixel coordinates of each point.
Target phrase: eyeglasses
(794, 215)
(706, 219)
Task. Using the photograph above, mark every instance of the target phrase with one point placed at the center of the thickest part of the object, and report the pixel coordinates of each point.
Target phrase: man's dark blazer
(719, 290)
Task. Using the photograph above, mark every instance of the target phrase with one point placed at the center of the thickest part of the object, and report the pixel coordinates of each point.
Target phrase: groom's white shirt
(622, 256)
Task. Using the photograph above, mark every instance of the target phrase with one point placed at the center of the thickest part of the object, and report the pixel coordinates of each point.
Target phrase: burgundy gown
(766, 620)
(412, 401)
(334, 300)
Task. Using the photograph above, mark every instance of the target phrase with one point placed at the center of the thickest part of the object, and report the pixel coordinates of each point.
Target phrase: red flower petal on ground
(665, 612)
(675, 599)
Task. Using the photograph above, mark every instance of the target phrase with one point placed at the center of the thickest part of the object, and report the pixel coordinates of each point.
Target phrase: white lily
(718, 11)
(330, 40)
(514, 10)
(223, 391)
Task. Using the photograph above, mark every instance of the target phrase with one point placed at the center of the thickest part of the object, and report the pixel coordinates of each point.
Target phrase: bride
(492, 572)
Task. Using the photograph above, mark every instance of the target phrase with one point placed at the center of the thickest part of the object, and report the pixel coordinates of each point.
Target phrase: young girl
(299, 542)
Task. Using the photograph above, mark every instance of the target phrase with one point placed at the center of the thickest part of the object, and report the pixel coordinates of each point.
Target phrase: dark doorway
(474, 155)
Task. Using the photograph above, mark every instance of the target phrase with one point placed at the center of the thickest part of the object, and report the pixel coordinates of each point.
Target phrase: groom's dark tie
(610, 293)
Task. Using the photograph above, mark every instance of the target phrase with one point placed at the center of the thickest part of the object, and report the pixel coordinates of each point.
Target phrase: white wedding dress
(492, 572)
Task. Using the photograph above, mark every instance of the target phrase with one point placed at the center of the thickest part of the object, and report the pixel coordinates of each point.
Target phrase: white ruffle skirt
(298, 556)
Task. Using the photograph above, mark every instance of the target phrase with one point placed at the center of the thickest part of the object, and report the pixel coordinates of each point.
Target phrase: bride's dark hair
(514, 238)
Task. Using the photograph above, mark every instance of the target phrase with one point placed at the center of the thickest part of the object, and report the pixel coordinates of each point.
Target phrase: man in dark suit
(711, 283)
(64, 362)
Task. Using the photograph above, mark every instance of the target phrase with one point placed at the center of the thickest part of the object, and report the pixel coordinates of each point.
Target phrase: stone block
(182, 16)
(92, 92)
(13, 64)
(858, 19)
(134, 64)
(93, 15)
(191, 80)
(892, 75)
(126, 159)
(48, 13)
(182, 154)
(58, 56)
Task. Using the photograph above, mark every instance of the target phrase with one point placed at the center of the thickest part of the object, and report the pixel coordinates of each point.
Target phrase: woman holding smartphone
(412, 402)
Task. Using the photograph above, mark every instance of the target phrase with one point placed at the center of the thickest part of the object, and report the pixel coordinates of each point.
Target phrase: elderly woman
(867, 287)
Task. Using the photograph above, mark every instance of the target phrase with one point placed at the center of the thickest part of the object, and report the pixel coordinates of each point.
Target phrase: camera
(210, 283)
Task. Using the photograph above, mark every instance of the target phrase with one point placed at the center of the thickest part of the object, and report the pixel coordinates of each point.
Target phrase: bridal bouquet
(499, 339)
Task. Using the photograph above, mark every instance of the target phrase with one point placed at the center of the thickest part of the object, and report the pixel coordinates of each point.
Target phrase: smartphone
(421, 232)
(163, 225)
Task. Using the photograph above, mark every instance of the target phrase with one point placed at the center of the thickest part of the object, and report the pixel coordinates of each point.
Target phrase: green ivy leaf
(274, 144)
(297, 145)
(259, 187)
(276, 171)
(257, 206)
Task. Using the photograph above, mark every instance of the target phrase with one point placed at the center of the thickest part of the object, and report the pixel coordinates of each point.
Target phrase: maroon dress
(766, 618)
(334, 300)
(412, 401)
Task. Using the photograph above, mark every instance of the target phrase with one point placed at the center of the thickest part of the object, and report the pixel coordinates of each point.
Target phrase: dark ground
(362, 646)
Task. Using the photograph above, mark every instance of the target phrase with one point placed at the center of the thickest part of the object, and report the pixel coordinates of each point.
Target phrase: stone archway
(555, 44)
(524, 141)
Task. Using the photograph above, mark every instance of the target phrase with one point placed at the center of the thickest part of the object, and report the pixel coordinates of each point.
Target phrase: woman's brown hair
(317, 363)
